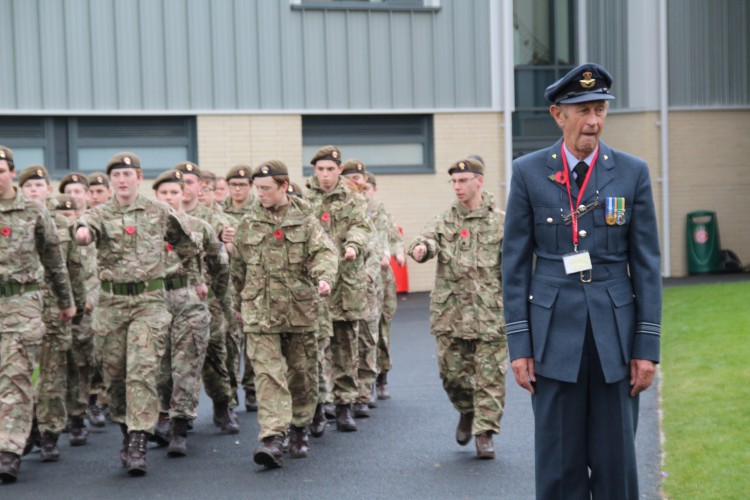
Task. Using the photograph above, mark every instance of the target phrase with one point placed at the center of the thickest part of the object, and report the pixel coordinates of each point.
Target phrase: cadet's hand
(324, 288)
(67, 314)
(350, 253)
(88, 307)
(523, 369)
(641, 375)
(401, 259)
(227, 235)
(83, 236)
(202, 291)
(229, 247)
(385, 263)
(419, 252)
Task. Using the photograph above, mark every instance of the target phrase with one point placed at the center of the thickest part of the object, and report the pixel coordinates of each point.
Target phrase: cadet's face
(269, 193)
(581, 125)
(370, 190)
(170, 193)
(78, 193)
(358, 178)
(6, 180)
(220, 191)
(36, 189)
(98, 195)
(206, 194)
(239, 189)
(125, 182)
(467, 186)
(327, 172)
(193, 185)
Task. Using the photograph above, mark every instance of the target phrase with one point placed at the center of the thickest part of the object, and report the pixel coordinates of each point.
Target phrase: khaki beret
(476, 157)
(240, 172)
(98, 179)
(371, 179)
(74, 178)
(168, 176)
(7, 155)
(123, 160)
(32, 172)
(354, 167)
(65, 202)
(466, 165)
(327, 153)
(188, 167)
(270, 168)
(294, 190)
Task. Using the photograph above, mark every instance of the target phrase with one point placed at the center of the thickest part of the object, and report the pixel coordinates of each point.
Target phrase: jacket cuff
(519, 340)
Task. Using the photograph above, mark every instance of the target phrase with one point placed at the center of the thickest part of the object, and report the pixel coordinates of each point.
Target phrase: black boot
(178, 438)
(95, 413)
(299, 446)
(270, 452)
(125, 442)
(361, 410)
(9, 465)
(344, 419)
(251, 402)
(136, 462)
(78, 432)
(319, 423)
(48, 443)
(34, 439)
(225, 419)
(161, 431)
(381, 386)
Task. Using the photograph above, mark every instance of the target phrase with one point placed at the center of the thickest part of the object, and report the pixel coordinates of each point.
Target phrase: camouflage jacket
(233, 214)
(216, 219)
(467, 299)
(72, 255)
(277, 262)
(343, 215)
(30, 249)
(130, 240)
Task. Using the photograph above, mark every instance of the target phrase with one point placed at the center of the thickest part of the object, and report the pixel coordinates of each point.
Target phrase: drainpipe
(664, 111)
(508, 89)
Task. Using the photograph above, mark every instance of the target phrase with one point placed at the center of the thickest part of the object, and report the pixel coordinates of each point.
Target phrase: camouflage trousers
(98, 387)
(344, 362)
(179, 379)
(324, 371)
(286, 379)
(133, 332)
(473, 374)
(21, 331)
(235, 346)
(367, 370)
(388, 308)
(52, 383)
(214, 373)
(81, 368)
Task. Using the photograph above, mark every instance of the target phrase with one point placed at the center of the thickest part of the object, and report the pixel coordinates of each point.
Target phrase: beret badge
(334, 154)
(587, 81)
(264, 170)
(126, 160)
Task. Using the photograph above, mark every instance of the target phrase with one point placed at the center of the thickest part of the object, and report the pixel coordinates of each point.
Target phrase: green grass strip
(706, 391)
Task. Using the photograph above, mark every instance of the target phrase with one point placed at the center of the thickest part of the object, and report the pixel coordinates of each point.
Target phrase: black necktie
(580, 171)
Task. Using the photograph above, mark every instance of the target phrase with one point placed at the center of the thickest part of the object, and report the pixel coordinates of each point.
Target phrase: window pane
(152, 158)
(23, 157)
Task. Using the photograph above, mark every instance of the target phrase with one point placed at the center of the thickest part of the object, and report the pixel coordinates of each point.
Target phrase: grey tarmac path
(405, 450)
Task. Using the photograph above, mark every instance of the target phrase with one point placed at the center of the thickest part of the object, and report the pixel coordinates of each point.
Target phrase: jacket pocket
(623, 304)
(442, 310)
(542, 297)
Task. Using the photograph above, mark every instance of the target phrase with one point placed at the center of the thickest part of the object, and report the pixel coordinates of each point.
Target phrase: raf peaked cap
(6, 154)
(74, 178)
(327, 153)
(353, 167)
(587, 82)
(188, 167)
(240, 172)
(270, 168)
(32, 172)
(168, 176)
(466, 166)
(65, 202)
(123, 160)
(98, 179)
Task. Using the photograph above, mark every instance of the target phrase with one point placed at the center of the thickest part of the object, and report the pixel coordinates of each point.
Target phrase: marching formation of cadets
(127, 306)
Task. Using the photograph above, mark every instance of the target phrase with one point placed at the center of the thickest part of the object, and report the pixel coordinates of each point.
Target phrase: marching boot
(225, 419)
(463, 429)
(161, 430)
(330, 411)
(125, 442)
(373, 401)
(136, 462)
(361, 410)
(9, 465)
(344, 419)
(270, 452)
(48, 444)
(95, 413)
(319, 422)
(251, 402)
(178, 440)
(33, 440)
(78, 432)
(299, 446)
(381, 386)
(485, 446)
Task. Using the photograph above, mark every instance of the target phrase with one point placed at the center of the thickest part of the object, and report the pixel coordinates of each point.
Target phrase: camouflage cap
(294, 190)
(327, 153)
(98, 179)
(354, 167)
(371, 179)
(123, 160)
(7, 155)
(465, 166)
(240, 172)
(168, 176)
(188, 167)
(65, 202)
(32, 172)
(74, 178)
(270, 168)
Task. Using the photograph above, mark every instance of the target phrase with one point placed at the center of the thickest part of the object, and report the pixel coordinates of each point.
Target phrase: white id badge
(577, 262)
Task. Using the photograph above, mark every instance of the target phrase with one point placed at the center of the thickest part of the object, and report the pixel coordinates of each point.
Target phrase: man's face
(239, 189)
(581, 125)
(6, 180)
(170, 193)
(125, 182)
(370, 190)
(220, 191)
(270, 193)
(327, 172)
(36, 189)
(206, 194)
(98, 194)
(467, 186)
(193, 185)
(358, 178)
(78, 193)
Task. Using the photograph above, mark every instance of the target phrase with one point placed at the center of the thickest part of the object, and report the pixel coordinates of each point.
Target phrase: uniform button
(549, 220)
(582, 233)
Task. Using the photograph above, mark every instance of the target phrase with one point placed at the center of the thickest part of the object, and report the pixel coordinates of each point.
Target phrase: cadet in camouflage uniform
(130, 232)
(29, 250)
(466, 310)
(343, 216)
(99, 191)
(179, 377)
(282, 261)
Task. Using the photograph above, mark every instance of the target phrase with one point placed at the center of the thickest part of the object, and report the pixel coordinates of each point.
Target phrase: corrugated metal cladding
(709, 53)
(248, 55)
(608, 43)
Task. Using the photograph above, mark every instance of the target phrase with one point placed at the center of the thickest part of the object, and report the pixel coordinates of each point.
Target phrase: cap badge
(100, 179)
(39, 172)
(241, 173)
(178, 174)
(126, 160)
(462, 166)
(587, 81)
(68, 204)
(74, 178)
(335, 154)
(289, 189)
(2, 153)
(264, 170)
(189, 167)
(359, 167)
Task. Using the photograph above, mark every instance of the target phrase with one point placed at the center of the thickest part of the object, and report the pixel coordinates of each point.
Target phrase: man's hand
(350, 253)
(419, 252)
(227, 235)
(385, 263)
(324, 288)
(523, 369)
(401, 259)
(83, 236)
(67, 314)
(641, 375)
(202, 291)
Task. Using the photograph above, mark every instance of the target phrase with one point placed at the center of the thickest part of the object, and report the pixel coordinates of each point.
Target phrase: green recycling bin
(703, 243)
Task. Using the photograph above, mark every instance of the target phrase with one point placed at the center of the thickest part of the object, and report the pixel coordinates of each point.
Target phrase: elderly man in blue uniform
(583, 319)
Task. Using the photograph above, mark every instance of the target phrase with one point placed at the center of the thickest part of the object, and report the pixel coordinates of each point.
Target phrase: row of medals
(615, 211)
